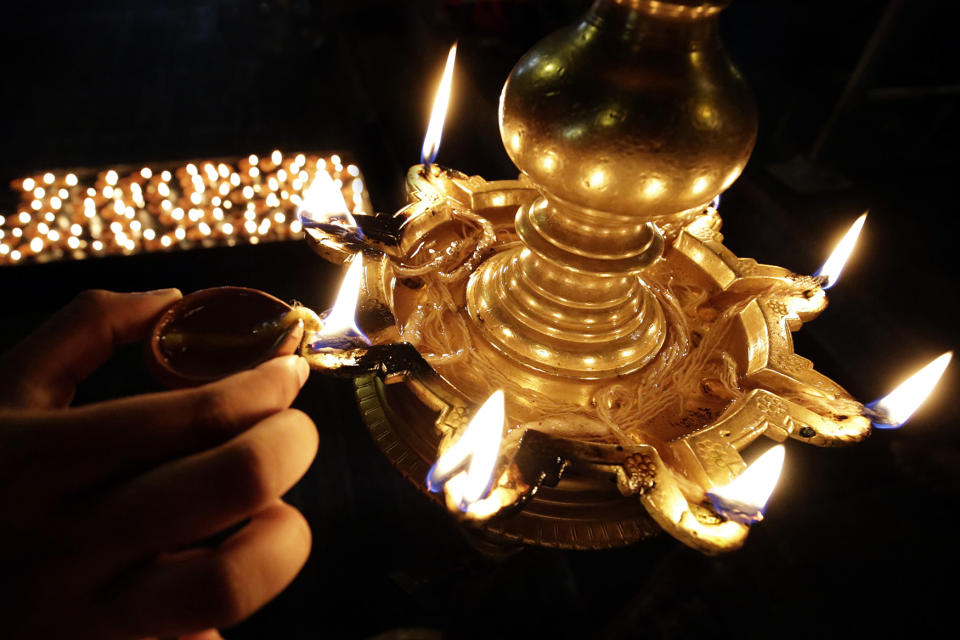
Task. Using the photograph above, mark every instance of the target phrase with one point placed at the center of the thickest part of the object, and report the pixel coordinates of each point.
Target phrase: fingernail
(303, 370)
(170, 291)
(296, 331)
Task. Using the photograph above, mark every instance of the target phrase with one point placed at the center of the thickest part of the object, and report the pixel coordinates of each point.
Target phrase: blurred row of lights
(81, 214)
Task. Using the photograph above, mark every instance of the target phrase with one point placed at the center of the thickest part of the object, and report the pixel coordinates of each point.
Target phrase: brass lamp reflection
(628, 356)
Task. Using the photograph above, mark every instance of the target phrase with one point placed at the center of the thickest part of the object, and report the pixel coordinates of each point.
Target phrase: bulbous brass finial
(636, 110)
(633, 113)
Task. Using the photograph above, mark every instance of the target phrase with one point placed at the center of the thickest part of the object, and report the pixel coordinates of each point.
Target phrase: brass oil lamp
(628, 355)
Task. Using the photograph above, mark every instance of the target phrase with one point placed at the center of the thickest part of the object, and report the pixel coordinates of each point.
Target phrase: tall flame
(323, 203)
(431, 141)
(341, 319)
(466, 468)
(894, 409)
(833, 267)
(745, 497)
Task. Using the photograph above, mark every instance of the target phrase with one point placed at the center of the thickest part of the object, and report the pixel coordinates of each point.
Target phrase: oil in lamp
(573, 358)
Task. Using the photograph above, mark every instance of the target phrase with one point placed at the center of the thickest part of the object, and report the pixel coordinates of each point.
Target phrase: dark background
(856, 539)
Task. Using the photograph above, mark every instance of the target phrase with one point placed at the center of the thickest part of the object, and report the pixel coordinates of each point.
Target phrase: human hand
(107, 509)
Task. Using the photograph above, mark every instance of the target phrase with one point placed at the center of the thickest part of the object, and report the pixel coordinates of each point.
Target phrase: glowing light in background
(122, 211)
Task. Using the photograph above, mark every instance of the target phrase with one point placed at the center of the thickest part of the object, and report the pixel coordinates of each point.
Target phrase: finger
(290, 342)
(209, 634)
(115, 439)
(195, 497)
(213, 588)
(43, 370)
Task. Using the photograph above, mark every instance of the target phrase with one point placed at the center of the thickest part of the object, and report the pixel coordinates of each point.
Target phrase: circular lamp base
(584, 511)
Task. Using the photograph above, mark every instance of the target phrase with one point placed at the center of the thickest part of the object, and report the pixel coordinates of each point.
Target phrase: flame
(833, 267)
(323, 203)
(477, 450)
(431, 141)
(745, 498)
(894, 409)
(341, 319)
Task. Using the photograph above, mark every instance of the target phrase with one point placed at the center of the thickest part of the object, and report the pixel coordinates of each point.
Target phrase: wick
(876, 416)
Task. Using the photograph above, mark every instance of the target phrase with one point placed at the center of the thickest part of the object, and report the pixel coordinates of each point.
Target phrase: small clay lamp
(213, 333)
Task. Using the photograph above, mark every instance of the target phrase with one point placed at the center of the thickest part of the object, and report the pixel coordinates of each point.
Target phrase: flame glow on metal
(745, 498)
(323, 203)
(466, 469)
(833, 267)
(431, 141)
(894, 409)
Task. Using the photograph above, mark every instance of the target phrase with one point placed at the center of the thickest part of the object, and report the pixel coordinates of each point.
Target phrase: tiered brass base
(561, 482)
(638, 356)
(585, 511)
(570, 301)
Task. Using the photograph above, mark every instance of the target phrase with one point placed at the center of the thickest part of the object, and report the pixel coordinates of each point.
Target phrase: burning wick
(431, 141)
(466, 468)
(745, 498)
(894, 409)
(340, 330)
(323, 204)
(830, 272)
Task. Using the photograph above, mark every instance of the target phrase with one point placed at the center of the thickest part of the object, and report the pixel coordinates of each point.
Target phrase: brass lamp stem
(569, 302)
(631, 115)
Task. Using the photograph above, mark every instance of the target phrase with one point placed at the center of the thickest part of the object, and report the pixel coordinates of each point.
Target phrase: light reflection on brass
(551, 470)
(637, 93)
(557, 288)
(632, 114)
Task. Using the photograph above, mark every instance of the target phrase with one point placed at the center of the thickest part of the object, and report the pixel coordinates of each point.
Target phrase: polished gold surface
(631, 117)
(638, 355)
(581, 487)
(565, 302)
(632, 111)
(585, 511)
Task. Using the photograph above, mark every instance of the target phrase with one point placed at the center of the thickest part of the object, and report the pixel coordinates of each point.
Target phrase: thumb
(49, 363)
(210, 634)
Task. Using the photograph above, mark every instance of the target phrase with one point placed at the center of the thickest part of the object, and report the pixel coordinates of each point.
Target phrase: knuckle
(251, 476)
(227, 592)
(308, 429)
(297, 416)
(290, 386)
(303, 528)
(93, 298)
(91, 310)
(213, 406)
(92, 303)
(281, 384)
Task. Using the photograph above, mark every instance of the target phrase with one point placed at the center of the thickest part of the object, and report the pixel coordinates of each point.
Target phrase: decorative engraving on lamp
(783, 396)
(638, 357)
